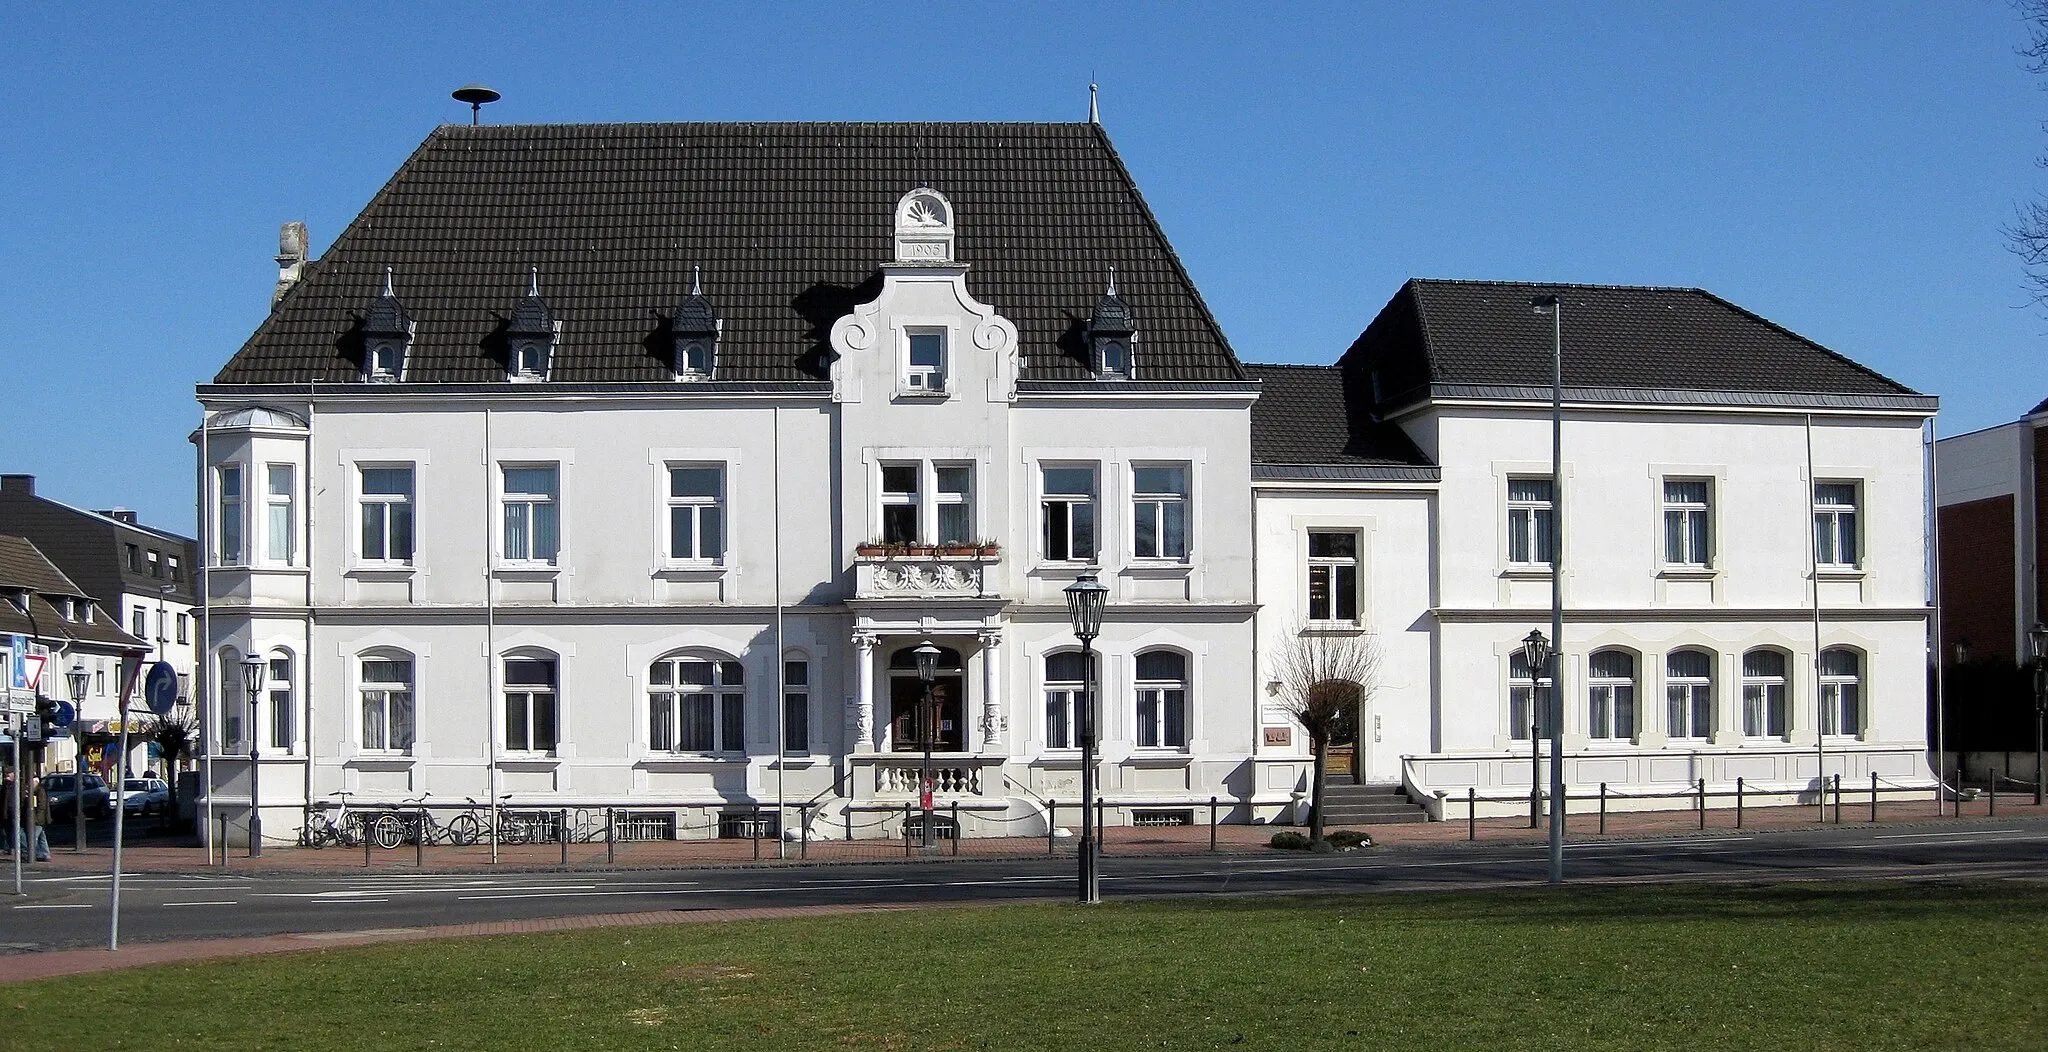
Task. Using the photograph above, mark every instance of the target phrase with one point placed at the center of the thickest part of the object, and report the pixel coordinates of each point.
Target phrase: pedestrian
(39, 804)
(7, 805)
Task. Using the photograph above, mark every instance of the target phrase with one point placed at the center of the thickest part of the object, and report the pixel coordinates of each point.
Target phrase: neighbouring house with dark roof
(636, 465)
(44, 613)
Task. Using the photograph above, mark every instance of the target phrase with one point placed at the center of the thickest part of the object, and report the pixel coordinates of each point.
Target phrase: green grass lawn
(1803, 967)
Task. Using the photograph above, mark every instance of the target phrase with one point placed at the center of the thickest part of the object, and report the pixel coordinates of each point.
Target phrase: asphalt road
(62, 912)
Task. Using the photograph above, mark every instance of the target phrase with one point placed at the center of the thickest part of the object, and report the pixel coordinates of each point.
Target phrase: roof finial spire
(533, 281)
(387, 282)
(1094, 113)
(696, 282)
(1112, 279)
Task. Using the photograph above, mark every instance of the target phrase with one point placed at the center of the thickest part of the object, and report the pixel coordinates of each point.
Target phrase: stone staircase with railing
(1345, 804)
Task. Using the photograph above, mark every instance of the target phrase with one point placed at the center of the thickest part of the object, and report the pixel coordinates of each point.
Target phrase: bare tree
(1325, 677)
(173, 735)
(2028, 233)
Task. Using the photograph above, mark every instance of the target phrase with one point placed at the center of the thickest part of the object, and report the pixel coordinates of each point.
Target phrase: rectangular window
(230, 517)
(138, 621)
(177, 569)
(900, 503)
(387, 704)
(1834, 523)
(1162, 716)
(955, 503)
(696, 513)
(1069, 510)
(134, 557)
(281, 703)
(1332, 576)
(1841, 694)
(156, 564)
(796, 708)
(1159, 511)
(926, 370)
(1764, 712)
(1064, 693)
(532, 523)
(184, 628)
(162, 626)
(1686, 506)
(386, 503)
(279, 524)
(1531, 508)
(530, 711)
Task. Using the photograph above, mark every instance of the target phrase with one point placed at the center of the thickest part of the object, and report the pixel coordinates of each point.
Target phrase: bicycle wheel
(388, 832)
(464, 830)
(513, 830)
(351, 832)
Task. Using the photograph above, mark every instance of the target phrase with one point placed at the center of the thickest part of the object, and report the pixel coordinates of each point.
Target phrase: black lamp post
(2038, 637)
(78, 679)
(1536, 655)
(1085, 600)
(252, 681)
(927, 670)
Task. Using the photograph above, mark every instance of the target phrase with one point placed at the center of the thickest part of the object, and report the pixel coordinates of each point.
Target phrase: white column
(992, 690)
(863, 711)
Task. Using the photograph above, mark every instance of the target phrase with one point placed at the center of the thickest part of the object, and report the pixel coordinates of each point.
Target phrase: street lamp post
(1536, 655)
(252, 682)
(79, 679)
(927, 670)
(1085, 600)
(1554, 307)
(2038, 636)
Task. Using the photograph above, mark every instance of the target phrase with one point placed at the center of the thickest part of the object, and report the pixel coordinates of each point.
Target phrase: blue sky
(1844, 171)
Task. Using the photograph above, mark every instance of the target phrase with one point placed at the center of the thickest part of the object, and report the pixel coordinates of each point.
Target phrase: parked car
(64, 793)
(145, 796)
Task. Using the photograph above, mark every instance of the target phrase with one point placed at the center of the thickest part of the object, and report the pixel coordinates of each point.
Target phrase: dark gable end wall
(1978, 578)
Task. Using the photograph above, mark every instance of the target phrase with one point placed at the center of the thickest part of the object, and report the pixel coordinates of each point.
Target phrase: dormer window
(1112, 335)
(19, 600)
(387, 335)
(531, 335)
(694, 330)
(926, 368)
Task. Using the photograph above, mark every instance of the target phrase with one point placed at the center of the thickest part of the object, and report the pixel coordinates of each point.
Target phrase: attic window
(387, 335)
(1112, 335)
(531, 356)
(925, 364)
(694, 330)
(531, 335)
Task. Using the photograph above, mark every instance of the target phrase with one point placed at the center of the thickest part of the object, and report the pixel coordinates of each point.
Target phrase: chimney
(291, 259)
(120, 515)
(21, 485)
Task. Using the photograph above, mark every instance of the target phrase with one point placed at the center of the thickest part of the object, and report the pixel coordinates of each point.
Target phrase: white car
(145, 796)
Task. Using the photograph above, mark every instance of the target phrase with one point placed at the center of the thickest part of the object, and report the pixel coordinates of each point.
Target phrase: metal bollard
(1838, 799)
(419, 841)
(562, 831)
(1052, 823)
(1993, 803)
(366, 844)
(611, 839)
(803, 815)
(1738, 803)
(1703, 803)
(1873, 798)
(1100, 806)
(224, 843)
(1212, 823)
(906, 829)
(754, 828)
(1603, 807)
(956, 827)
(1471, 812)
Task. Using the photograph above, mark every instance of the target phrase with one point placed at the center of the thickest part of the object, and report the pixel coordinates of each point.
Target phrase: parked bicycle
(344, 827)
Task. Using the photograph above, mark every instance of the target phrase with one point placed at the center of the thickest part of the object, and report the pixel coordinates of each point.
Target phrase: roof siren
(477, 96)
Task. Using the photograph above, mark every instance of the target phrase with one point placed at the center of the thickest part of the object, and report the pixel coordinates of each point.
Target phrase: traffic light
(46, 710)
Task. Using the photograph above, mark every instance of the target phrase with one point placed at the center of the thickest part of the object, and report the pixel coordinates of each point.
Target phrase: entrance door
(907, 731)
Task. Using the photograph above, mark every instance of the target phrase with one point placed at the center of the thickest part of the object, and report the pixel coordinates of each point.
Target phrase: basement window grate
(1157, 818)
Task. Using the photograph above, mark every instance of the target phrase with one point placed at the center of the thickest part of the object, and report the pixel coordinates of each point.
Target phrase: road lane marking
(1965, 832)
(219, 902)
(58, 906)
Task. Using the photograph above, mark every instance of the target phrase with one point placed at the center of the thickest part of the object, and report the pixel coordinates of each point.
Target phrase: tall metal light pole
(2038, 636)
(252, 682)
(1554, 307)
(927, 670)
(78, 679)
(1085, 600)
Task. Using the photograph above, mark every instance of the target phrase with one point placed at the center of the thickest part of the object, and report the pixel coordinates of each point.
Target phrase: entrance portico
(967, 727)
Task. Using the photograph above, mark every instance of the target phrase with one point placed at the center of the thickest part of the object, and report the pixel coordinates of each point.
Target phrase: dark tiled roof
(23, 566)
(788, 221)
(1112, 317)
(386, 316)
(1484, 332)
(1303, 417)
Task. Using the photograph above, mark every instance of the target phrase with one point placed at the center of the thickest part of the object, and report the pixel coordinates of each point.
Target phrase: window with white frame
(278, 522)
(1834, 523)
(1841, 692)
(1162, 715)
(281, 709)
(385, 509)
(925, 360)
(1531, 514)
(1689, 694)
(386, 686)
(232, 516)
(955, 503)
(1764, 712)
(176, 570)
(1065, 678)
(1333, 576)
(163, 626)
(532, 515)
(1611, 695)
(156, 566)
(1068, 508)
(696, 513)
(1159, 511)
(697, 705)
(1687, 507)
(1528, 707)
(138, 623)
(530, 703)
(234, 703)
(901, 506)
(796, 708)
(184, 629)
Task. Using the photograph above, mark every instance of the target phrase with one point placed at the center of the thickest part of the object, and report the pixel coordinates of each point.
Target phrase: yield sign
(32, 670)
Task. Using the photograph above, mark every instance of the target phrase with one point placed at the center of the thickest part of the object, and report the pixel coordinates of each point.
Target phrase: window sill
(1333, 628)
(381, 571)
(923, 394)
(685, 761)
(525, 571)
(1158, 756)
(1527, 571)
(1143, 567)
(381, 761)
(528, 760)
(1689, 573)
(693, 571)
(1840, 573)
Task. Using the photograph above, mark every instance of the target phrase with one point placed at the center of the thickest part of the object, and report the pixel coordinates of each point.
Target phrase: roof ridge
(1422, 321)
(1288, 365)
(1558, 284)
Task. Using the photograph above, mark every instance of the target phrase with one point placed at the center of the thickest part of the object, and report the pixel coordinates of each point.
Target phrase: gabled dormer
(531, 335)
(387, 336)
(1112, 336)
(693, 334)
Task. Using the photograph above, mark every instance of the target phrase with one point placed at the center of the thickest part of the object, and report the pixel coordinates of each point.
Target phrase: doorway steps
(1368, 805)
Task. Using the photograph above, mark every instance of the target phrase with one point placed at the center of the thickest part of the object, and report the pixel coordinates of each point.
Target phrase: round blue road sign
(63, 715)
(160, 690)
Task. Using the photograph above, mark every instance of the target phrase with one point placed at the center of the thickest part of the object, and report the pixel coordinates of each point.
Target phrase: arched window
(1525, 701)
(1611, 695)
(386, 684)
(697, 703)
(1065, 673)
(531, 713)
(1841, 692)
(234, 702)
(1689, 692)
(1162, 700)
(1763, 694)
(282, 711)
